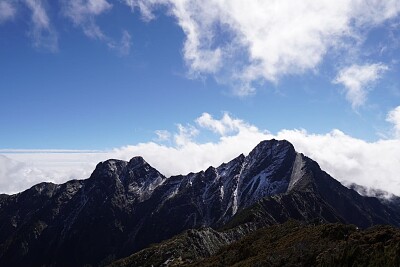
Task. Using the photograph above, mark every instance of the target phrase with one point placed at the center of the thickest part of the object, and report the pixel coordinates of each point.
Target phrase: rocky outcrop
(188, 247)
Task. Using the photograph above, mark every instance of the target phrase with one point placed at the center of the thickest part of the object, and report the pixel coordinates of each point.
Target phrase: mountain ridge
(125, 206)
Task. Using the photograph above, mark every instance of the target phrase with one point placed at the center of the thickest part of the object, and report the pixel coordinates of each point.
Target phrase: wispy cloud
(7, 11)
(163, 135)
(83, 14)
(394, 118)
(145, 7)
(260, 42)
(348, 159)
(357, 80)
(42, 32)
(123, 47)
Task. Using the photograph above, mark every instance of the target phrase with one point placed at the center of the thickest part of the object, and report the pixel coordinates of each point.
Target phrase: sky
(188, 84)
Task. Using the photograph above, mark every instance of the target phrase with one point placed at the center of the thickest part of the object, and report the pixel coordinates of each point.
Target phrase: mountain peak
(109, 168)
(275, 145)
(271, 148)
(136, 162)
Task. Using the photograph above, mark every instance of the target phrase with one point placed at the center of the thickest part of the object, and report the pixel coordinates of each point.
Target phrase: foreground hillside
(289, 244)
(293, 244)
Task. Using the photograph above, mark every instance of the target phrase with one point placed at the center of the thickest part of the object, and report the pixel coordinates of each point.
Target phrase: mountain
(126, 206)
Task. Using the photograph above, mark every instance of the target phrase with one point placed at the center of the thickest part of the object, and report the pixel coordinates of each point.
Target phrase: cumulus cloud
(350, 160)
(226, 125)
(42, 32)
(357, 80)
(186, 155)
(7, 11)
(265, 40)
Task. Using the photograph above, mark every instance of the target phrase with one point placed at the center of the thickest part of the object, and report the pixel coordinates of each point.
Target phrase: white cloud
(163, 135)
(124, 46)
(83, 12)
(187, 155)
(265, 40)
(240, 43)
(42, 32)
(357, 80)
(394, 118)
(7, 11)
(145, 6)
(185, 134)
(226, 125)
(19, 171)
(348, 159)
(351, 160)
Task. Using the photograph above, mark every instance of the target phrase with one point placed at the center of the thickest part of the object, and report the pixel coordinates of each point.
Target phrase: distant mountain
(126, 206)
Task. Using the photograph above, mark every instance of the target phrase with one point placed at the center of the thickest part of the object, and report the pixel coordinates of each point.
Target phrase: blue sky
(108, 75)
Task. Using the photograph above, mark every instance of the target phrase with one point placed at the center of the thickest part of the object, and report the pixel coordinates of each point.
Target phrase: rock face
(126, 206)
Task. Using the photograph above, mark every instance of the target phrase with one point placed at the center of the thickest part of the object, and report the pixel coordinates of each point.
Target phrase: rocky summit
(125, 207)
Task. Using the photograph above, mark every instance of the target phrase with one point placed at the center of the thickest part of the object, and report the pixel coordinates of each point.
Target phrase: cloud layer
(348, 159)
